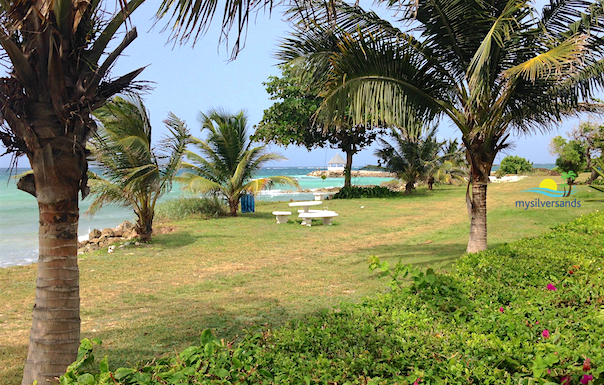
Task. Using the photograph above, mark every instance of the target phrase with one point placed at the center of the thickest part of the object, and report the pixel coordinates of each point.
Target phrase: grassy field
(232, 274)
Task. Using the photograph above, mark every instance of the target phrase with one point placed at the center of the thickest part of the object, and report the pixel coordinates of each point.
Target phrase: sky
(188, 79)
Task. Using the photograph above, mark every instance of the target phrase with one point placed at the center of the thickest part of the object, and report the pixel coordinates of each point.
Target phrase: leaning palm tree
(58, 62)
(134, 173)
(494, 68)
(227, 162)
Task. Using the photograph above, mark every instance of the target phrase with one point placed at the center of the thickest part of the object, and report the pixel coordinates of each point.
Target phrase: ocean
(19, 210)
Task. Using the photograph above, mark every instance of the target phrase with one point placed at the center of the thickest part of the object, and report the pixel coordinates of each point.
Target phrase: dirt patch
(164, 229)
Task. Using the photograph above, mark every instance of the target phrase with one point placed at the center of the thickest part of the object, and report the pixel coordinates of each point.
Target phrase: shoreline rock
(99, 239)
(354, 173)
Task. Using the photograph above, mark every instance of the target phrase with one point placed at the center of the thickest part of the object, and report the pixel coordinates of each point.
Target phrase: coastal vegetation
(134, 173)
(228, 162)
(232, 274)
(513, 164)
(415, 156)
(493, 69)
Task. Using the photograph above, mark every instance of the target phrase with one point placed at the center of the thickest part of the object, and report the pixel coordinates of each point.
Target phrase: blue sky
(192, 79)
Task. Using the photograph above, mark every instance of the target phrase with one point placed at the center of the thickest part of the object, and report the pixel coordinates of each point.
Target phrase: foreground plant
(228, 161)
(134, 172)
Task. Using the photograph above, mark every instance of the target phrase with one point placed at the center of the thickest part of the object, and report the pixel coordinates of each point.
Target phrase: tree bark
(348, 169)
(55, 331)
(478, 218)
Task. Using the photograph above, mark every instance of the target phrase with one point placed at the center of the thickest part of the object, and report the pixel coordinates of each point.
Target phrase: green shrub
(529, 312)
(354, 192)
(513, 164)
(183, 208)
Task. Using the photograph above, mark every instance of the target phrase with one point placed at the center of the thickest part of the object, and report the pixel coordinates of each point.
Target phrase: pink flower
(551, 287)
(586, 378)
(501, 309)
(565, 380)
(536, 322)
(545, 333)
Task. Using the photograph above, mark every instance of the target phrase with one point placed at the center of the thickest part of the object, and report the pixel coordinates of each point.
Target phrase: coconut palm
(453, 169)
(227, 162)
(494, 68)
(134, 173)
(58, 62)
(414, 155)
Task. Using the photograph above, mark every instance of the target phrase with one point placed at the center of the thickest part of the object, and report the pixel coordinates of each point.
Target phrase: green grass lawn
(232, 274)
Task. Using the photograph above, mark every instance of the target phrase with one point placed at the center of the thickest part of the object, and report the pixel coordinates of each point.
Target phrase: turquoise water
(19, 210)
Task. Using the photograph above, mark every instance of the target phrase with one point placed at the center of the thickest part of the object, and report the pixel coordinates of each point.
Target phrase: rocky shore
(99, 239)
(354, 173)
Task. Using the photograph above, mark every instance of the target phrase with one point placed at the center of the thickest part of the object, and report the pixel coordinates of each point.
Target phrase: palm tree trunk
(144, 224)
(409, 186)
(55, 331)
(478, 218)
(233, 205)
(348, 169)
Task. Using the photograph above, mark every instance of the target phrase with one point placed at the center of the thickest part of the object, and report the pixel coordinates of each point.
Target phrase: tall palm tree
(494, 68)
(228, 162)
(135, 173)
(58, 74)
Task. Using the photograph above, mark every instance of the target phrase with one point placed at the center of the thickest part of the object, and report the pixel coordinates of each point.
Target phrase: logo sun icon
(548, 184)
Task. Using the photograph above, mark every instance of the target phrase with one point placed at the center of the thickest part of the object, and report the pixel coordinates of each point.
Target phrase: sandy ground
(507, 178)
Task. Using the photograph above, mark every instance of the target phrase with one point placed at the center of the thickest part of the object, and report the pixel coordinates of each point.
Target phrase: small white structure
(336, 163)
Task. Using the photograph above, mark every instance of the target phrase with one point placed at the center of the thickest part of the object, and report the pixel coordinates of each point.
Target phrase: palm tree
(413, 157)
(58, 63)
(453, 169)
(228, 162)
(135, 174)
(493, 68)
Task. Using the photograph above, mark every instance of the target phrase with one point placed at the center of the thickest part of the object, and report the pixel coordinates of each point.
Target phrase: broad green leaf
(86, 379)
(123, 373)
(206, 337)
(104, 365)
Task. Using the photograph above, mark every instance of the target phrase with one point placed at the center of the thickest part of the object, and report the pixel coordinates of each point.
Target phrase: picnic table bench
(327, 216)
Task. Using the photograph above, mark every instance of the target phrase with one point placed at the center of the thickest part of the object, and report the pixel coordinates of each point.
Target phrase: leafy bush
(183, 208)
(513, 164)
(354, 192)
(530, 312)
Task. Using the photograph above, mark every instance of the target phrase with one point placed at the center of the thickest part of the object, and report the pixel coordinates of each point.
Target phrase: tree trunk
(55, 331)
(144, 224)
(348, 169)
(594, 175)
(234, 205)
(409, 186)
(478, 218)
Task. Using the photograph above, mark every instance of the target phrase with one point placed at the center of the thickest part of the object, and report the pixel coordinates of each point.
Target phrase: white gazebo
(336, 163)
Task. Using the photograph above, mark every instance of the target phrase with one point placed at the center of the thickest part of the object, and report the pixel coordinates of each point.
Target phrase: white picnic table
(305, 204)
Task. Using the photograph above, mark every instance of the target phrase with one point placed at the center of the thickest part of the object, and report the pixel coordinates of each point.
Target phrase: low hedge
(356, 192)
(529, 312)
